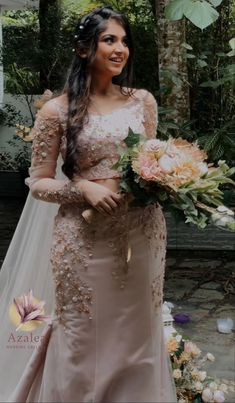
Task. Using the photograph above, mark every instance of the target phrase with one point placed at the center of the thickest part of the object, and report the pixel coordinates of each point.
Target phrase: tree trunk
(173, 75)
(49, 23)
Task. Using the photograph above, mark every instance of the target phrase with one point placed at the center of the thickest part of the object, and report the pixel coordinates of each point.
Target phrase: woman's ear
(82, 54)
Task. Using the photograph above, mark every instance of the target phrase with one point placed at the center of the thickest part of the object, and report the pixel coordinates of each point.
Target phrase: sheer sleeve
(150, 115)
(45, 151)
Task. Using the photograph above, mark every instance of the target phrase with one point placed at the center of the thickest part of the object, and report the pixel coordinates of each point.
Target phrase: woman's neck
(102, 87)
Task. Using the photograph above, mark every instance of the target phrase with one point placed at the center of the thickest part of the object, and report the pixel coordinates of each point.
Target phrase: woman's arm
(43, 185)
(150, 115)
(47, 133)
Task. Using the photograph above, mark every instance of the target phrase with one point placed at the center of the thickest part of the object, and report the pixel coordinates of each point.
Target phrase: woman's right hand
(100, 197)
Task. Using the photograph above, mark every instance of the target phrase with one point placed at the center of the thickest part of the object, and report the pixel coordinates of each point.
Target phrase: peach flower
(172, 345)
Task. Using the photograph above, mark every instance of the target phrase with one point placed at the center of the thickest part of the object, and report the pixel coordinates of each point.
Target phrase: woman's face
(112, 50)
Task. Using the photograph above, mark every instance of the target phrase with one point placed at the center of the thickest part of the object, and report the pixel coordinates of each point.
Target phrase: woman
(105, 343)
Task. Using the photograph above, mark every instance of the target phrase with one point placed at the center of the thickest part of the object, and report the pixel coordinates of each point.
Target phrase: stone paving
(204, 288)
(199, 283)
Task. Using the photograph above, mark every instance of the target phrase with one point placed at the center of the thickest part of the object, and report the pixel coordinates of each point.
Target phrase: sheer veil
(26, 266)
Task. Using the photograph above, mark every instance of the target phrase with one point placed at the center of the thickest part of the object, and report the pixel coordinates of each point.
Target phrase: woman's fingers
(113, 204)
(107, 206)
(117, 197)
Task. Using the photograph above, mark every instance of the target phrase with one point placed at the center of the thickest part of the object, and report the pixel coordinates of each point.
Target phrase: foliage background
(38, 49)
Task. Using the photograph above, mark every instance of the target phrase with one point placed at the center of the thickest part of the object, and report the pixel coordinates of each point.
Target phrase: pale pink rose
(219, 396)
(145, 173)
(207, 395)
(154, 145)
(191, 348)
(202, 375)
(167, 164)
(155, 169)
(198, 386)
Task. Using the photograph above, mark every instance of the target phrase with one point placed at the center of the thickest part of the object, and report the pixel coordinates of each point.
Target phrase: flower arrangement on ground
(192, 383)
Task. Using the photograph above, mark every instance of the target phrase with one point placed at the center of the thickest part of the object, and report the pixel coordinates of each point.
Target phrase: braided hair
(78, 84)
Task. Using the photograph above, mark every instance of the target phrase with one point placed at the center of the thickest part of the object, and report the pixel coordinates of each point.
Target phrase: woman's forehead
(114, 27)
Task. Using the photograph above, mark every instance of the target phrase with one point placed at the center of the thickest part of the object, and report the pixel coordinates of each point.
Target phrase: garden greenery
(32, 64)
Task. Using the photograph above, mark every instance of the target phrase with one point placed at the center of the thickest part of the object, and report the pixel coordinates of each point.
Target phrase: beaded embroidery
(69, 193)
(72, 248)
(157, 291)
(44, 131)
(154, 227)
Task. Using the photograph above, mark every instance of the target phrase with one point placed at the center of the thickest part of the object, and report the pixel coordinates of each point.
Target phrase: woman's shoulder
(55, 106)
(144, 95)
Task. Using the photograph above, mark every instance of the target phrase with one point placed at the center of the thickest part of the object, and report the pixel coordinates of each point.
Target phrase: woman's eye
(109, 40)
(125, 42)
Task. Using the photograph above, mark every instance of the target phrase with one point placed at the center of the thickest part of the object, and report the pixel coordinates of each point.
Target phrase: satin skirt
(105, 342)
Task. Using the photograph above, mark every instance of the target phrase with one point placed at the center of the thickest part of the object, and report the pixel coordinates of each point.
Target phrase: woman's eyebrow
(112, 35)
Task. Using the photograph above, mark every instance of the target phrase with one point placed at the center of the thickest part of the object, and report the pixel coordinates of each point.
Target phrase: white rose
(213, 386)
(203, 168)
(224, 220)
(210, 357)
(176, 373)
(178, 337)
(223, 387)
(166, 163)
(202, 375)
(219, 396)
(224, 209)
(195, 373)
(207, 395)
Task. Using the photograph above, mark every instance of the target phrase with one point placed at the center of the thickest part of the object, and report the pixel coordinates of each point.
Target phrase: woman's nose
(119, 47)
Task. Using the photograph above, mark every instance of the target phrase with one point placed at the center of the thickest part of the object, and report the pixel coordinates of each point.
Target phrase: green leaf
(229, 140)
(187, 46)
(218, 152)
(190, 56)
(221, 54)
(202, 63)
(211, 141)
(215, 3)
(211, 84)
(200, 13)
(231, 53)
(232, 43)
(175, 10)
(132, 138)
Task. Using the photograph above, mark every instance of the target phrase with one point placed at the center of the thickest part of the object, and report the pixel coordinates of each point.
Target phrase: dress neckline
(124, 106)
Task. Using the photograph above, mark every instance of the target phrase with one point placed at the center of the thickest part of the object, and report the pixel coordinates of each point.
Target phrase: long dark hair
(78, 84)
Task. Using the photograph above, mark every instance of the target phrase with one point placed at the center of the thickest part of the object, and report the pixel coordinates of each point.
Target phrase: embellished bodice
(102, 138)
(98, 144)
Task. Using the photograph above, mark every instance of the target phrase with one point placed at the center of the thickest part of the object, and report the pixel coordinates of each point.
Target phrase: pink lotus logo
(27, 312)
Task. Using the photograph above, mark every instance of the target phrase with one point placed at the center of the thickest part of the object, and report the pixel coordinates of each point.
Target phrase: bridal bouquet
(192, 383)
(174, 173)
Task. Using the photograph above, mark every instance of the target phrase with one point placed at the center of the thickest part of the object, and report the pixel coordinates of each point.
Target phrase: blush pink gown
(105, 342)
